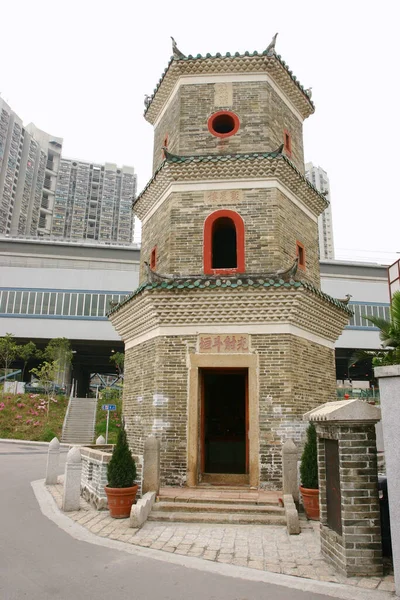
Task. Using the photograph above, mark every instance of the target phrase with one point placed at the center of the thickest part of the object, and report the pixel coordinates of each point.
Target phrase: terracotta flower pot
(120, 501)
(310, 503)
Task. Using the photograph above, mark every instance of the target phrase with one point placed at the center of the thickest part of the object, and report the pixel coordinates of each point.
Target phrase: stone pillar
(53, 459)
(289, 469)
(348, 484)
(151, 465)
(72, 480)
(389, 387)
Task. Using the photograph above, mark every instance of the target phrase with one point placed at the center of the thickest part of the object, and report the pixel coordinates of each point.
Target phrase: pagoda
(229, 339)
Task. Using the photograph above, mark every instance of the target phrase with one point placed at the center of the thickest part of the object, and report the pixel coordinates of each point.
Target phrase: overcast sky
(80, 69)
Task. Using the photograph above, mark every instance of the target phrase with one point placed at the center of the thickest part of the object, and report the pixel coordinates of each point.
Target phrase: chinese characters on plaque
(223, 343)
(223, 94)
(223, 196)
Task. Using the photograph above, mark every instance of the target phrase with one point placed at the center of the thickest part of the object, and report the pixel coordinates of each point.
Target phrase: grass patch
(109, 397)
(34, 417)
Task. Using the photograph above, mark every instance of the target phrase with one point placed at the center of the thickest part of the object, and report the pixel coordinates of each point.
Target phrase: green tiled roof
(244, 281)
(229, 55)
(204, 158)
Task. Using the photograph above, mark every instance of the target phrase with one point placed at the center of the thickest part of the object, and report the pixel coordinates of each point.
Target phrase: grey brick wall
(357, 552)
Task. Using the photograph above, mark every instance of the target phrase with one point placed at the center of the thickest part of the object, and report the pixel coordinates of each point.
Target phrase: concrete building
(94, 202)
(54, 289)
(319, 178)
(44, 195)
(367, 284)
(29, 160)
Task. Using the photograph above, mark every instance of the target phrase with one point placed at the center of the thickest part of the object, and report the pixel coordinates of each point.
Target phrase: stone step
(221, 500)
(211, 517)
(218, 507)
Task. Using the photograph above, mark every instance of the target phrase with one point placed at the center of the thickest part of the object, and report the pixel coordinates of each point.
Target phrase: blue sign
(109, 407)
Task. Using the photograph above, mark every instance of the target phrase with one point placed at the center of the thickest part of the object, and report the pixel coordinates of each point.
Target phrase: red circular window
(223, 123)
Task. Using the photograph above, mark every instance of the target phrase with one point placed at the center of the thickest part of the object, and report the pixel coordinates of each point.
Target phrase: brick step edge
(217, 507)
(197, 517)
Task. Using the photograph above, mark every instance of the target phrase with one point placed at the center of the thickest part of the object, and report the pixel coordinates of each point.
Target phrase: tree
(118, 358)
(309, 460)
(46, 374)
(8, 351)
(121, 470)
(59, 350)
(26, 353)
(389, 335)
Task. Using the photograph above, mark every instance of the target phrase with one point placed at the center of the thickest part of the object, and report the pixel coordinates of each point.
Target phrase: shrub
(121, 470)
(309, 460)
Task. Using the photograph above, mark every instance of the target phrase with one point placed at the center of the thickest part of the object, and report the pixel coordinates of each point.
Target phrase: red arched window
(223, 250)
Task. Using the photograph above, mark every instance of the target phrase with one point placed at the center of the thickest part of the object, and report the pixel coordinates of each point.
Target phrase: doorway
(224, 425)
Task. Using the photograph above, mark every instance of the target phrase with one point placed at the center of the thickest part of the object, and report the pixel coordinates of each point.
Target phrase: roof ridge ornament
(345, 300)
(147, 100)
(175, 50)
(270, 49)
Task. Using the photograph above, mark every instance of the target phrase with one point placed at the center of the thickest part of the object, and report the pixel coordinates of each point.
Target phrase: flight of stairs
(80, 423)
(206, 505)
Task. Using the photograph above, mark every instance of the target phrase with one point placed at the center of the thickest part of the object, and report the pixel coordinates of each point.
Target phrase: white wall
(69, 279)
(72, 329)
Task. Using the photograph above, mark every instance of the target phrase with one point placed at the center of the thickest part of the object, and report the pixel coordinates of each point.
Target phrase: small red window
(301, 253)
(153, 258)
(223, 123)
(288, 142)
(165, 144)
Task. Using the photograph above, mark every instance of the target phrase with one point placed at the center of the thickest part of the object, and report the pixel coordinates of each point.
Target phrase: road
(40, 561)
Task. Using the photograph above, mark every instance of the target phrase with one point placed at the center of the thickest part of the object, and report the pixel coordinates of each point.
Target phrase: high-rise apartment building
(44, 195)
(94, 202)
(29, 160)
(319, 178)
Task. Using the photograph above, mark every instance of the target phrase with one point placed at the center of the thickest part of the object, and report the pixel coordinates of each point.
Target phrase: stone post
(53, 459)
(348, 486)
(151, 465)
(389, 388)
(289, 469)
(72, 480)
(100, 441)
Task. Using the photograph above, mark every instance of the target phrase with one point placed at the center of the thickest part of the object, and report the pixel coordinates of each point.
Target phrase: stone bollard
(151, 465)
(289, 469)
(100, 441)
(72, 480)
(53, 459)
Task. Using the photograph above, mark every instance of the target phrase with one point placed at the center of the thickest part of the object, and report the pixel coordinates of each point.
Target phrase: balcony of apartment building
(44, 224)
(46, 205)
(49, 184)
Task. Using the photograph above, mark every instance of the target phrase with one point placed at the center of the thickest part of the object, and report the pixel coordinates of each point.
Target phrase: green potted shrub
(309, 475)
(121, 474)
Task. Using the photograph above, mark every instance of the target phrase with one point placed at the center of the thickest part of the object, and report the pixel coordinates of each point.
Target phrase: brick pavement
(267, 548)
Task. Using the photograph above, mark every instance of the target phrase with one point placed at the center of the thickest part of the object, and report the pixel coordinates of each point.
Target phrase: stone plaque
(224, 343)
(223, 95)
(223, 196)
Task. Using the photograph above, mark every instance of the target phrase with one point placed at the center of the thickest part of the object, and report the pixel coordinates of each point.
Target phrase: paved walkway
(267, 548)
